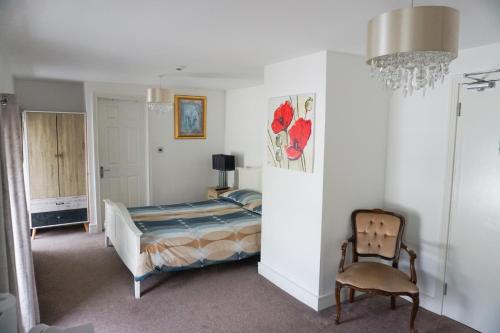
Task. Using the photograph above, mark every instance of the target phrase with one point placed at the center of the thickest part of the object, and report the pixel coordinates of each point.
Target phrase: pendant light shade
(157, 95)
(411, 48)
(159, 100)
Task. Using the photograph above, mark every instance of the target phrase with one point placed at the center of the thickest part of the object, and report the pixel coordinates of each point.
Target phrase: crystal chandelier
(411, 48)
(159, 99)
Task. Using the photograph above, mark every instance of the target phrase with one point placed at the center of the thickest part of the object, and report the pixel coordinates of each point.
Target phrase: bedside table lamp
(223, 163)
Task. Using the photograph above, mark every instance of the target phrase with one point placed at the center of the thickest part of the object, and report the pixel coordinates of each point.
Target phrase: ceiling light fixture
(159, 99)
(411, 48)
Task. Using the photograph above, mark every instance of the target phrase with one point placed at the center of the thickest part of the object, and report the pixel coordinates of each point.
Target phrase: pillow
(254, 206)
(242, 197)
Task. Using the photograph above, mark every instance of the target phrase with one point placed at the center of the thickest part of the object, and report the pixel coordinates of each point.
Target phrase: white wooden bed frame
(121, 232)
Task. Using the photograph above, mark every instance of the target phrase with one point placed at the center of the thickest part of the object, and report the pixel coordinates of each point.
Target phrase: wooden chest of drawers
(58, 211)
(47, 219)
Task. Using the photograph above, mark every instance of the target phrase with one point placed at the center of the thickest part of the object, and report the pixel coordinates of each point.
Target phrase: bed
(169, 238)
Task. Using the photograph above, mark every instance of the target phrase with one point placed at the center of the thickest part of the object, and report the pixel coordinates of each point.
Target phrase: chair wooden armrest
(344, 249)
(413, 256)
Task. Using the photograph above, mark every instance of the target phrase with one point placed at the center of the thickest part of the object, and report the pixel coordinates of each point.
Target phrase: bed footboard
(125, 237)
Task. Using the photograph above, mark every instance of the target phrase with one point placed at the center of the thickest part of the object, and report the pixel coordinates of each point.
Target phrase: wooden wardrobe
(55, 168)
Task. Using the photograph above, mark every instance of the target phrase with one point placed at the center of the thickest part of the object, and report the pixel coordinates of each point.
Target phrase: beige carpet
(80, 281)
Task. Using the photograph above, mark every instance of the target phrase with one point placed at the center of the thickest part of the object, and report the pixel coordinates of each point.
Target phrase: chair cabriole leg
(338, 286)
(351, 295)
(414, 310)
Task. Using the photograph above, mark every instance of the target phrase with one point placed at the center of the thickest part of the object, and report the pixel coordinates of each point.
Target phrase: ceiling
(223, 43)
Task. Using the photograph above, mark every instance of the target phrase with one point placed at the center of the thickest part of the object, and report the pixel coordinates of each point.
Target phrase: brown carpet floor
(80, 281)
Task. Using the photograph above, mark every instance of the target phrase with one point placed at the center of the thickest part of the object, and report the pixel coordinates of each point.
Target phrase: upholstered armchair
(377, 234)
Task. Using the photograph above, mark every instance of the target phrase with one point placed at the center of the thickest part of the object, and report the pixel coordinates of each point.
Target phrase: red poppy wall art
(290, 132)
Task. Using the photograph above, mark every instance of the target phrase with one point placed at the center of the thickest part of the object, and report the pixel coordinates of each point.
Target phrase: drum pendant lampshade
(157, 95)
(411, 48)
(159, 99)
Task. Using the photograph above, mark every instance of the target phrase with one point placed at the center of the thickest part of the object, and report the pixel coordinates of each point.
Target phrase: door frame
(456, 84)
(96, 197)
(450, 187)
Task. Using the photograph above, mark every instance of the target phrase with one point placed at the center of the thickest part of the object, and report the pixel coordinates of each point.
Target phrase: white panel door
(122, 151)
(473, 263)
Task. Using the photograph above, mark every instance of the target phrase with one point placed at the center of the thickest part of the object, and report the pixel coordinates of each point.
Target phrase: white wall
(183, 171)
(6, 79)
(292, 201)
(49, 95)
(355, 155)
(306, 216)
(418, 169)
(245, 126)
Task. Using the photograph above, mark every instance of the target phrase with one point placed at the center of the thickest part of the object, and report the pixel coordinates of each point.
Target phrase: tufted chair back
(377, 233)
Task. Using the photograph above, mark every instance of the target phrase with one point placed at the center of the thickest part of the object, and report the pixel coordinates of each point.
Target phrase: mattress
(193, 235)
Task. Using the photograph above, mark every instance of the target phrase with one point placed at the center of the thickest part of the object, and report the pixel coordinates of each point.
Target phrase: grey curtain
(16, 261)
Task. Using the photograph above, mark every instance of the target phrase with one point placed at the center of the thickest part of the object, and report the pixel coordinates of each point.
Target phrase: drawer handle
(58, 217)
(59, 203)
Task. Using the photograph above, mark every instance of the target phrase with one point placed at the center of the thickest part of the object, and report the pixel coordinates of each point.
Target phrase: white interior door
(473, 263)
(122, 151)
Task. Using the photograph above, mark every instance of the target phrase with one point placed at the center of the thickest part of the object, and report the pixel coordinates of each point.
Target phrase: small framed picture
(190, 117)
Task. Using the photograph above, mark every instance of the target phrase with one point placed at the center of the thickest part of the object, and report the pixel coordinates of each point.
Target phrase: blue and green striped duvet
(190, 235)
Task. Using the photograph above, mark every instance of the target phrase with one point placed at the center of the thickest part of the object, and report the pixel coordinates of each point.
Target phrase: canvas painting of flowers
(290, 132)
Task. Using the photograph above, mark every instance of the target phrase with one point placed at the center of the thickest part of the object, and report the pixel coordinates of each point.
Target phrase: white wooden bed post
(137, 289)
(125, 238)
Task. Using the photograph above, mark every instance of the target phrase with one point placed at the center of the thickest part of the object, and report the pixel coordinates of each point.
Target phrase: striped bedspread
(191, 235)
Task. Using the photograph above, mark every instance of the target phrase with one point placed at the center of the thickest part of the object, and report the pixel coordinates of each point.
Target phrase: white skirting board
(93, 229)
(322, 302)
(315, 302)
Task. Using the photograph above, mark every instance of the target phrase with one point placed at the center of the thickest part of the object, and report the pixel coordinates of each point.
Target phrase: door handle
(101, 171)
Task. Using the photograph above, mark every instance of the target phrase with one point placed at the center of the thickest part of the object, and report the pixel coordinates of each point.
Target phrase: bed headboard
(250, 178)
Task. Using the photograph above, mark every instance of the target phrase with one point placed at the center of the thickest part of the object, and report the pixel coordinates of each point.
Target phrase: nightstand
(213, 193)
